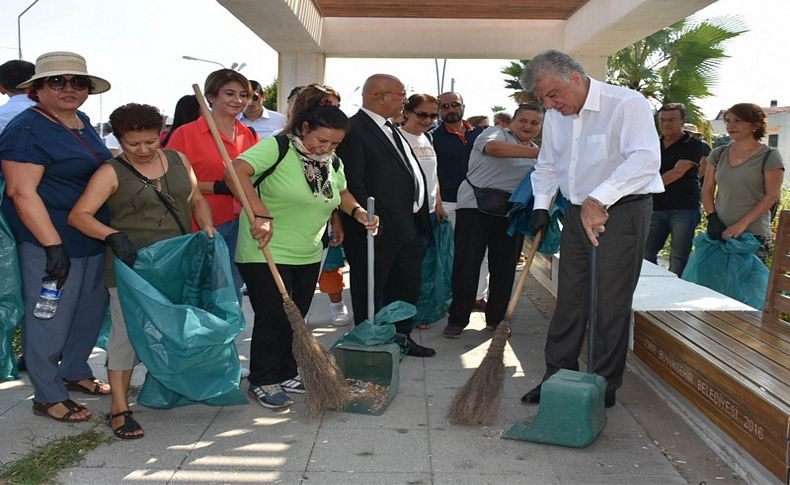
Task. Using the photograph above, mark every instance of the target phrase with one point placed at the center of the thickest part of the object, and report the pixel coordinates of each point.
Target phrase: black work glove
(122, 247)
(538, 220)
(220, 187)
(58, 264)
(715, 226)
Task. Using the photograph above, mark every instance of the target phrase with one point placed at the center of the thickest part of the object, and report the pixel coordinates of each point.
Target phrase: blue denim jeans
(680, 224)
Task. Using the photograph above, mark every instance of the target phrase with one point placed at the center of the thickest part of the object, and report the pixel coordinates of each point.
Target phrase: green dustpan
(571, 411)
(367, 353)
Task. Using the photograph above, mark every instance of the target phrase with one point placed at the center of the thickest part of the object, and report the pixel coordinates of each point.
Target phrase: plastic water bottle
(47, 303)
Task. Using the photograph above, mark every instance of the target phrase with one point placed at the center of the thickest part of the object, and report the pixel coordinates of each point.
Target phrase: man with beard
(453, 141)
(379, 163)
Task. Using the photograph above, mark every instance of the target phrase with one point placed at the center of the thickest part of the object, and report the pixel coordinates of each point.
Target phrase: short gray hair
(549, 63)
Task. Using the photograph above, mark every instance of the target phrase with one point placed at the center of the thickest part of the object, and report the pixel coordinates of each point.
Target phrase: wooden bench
(734, 366)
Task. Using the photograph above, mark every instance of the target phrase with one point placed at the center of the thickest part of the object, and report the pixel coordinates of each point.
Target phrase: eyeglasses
(78, 83)
(454, 104)
(400, 94)
(422, 115)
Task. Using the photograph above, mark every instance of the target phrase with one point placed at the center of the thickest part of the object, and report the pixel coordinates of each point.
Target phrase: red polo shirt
(195, 141)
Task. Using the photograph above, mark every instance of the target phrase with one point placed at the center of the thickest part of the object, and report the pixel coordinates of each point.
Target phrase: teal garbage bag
(12, 308)
(436, 289)
(380, 331)
(729, 267)
(521, 210)
(182, 317)
(104, 331)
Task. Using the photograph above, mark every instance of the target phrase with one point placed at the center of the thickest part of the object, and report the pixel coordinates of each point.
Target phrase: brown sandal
(42, 409)
(97, 384)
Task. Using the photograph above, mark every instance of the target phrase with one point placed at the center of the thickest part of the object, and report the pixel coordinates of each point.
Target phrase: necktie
(399, 143)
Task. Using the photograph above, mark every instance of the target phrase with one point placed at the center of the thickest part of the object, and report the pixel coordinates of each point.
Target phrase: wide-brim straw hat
(691, 128)
(61, 63)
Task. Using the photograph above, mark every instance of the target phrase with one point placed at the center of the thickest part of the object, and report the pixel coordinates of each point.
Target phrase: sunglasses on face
(454, 104)
(422, 115)
(78, 83)
(255, 97)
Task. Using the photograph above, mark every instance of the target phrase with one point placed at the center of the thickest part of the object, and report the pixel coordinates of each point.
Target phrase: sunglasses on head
(422, 115)
(454, 104)
(78, 83)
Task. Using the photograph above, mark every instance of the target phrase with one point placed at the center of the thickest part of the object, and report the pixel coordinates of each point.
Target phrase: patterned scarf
(315, 169)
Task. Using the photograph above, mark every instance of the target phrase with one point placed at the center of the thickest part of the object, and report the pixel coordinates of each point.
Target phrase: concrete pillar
(594, 65)
(297, 69)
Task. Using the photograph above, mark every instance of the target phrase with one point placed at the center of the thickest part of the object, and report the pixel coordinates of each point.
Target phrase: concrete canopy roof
(490, 29)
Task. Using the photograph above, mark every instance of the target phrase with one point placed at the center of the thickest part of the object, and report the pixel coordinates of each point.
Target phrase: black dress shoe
(416, 350)
(533, 396)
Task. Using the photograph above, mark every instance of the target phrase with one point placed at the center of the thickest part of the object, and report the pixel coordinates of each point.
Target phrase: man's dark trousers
(620, 252)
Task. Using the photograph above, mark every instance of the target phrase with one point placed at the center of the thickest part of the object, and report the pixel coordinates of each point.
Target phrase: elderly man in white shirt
(601, 149)
(13, 73)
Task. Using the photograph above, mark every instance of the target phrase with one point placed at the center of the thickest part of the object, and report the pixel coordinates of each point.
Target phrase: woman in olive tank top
(152, 195)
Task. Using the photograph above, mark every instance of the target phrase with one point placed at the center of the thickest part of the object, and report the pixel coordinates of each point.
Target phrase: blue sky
(138, 46)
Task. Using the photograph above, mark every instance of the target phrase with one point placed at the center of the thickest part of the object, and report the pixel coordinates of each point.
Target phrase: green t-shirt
(740, 188)
(299, 215)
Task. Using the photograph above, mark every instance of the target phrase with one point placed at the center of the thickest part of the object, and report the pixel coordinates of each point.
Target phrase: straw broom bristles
(326, 387)
(478, 401)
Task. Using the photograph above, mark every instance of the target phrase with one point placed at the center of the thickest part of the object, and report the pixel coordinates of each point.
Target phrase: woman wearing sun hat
(49, 153)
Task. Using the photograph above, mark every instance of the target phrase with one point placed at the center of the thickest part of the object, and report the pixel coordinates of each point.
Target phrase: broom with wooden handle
(478, 401)
(326, 387)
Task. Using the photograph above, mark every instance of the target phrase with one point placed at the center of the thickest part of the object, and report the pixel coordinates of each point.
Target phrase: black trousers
(620, 252)
(475, 232)
(397, 270)
(271, 355)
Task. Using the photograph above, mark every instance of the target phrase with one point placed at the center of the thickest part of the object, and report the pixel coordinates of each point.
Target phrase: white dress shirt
(15, 105)
(419, 185)
(609, 150)
(268, 123)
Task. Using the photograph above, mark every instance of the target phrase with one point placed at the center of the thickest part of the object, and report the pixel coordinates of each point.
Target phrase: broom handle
(241, 195)
(371, 208)
(522, 279)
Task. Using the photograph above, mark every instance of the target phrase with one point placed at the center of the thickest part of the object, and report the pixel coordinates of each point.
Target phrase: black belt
(627, 199)
(631, 198)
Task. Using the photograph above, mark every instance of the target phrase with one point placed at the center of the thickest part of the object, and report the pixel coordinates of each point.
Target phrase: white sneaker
(339, 314)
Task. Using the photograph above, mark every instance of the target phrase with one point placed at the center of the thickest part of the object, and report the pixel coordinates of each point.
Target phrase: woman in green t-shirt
(297, 198)
(748, 176)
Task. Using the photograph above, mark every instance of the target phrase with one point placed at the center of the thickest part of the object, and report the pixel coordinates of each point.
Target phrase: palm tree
(677, 64)
(513, 81)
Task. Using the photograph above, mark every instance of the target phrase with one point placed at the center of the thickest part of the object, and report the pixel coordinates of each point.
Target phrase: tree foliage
(270, 92)
(677, 64)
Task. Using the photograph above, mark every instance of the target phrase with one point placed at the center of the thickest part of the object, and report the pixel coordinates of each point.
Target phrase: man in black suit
(379, 163)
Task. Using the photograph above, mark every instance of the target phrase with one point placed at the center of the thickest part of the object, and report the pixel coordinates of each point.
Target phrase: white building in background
(778, 133)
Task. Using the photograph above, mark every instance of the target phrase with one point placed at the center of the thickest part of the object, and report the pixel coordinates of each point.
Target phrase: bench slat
(743, 360)
(763, 343)
(760, 325)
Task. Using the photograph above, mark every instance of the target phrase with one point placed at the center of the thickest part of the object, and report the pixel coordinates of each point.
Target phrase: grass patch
(44, 462)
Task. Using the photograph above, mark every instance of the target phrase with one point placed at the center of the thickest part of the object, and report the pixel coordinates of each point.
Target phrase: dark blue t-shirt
(452, 159)
(68, 165)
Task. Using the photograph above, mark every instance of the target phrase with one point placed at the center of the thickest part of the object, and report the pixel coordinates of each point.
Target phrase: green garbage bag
(729, 267)
(12, 308)
(104, 331)
(379, 332)
(436, 289)
(182, 317)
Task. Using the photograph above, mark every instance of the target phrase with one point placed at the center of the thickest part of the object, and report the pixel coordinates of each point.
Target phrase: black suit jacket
(374, 168)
